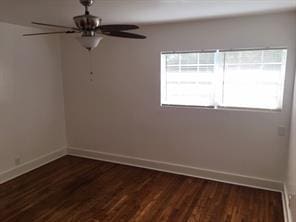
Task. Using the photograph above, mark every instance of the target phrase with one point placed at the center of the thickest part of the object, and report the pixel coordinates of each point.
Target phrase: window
(239, 79)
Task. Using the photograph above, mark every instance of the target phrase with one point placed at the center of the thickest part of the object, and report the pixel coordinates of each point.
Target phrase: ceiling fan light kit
(89, 42)
(89, 26)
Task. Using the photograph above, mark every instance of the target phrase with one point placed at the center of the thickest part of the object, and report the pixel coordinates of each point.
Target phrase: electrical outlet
(292, 200)
(281, 130)
(17, 161)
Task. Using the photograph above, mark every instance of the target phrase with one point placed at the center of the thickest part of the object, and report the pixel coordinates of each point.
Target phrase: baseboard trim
(179, 169)
(31, 165)
(286, 208)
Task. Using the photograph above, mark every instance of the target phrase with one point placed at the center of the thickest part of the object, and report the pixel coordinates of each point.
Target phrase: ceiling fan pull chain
(91, 74)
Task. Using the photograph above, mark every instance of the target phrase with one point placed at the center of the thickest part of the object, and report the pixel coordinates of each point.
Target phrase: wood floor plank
(77, 189)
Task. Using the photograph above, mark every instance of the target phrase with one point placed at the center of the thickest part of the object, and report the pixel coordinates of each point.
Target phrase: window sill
(221, 108)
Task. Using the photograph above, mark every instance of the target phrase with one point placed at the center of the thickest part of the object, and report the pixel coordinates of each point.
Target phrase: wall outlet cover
(281, 130)
(17, 161)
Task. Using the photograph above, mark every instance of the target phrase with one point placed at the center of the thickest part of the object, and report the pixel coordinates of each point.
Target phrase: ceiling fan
(89, 26)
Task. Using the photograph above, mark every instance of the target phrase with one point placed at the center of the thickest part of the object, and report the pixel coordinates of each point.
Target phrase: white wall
(31, 96)
(120, 112)
(291, 166)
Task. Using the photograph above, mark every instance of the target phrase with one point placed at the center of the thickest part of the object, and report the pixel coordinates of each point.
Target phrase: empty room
(148, 111)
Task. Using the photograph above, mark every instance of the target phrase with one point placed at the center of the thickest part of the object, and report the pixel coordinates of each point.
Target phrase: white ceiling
(134, 11)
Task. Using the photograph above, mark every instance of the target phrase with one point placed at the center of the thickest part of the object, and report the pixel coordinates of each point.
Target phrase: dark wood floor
(77, 189)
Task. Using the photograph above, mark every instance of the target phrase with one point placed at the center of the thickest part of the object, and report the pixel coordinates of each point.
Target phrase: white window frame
(219, 66)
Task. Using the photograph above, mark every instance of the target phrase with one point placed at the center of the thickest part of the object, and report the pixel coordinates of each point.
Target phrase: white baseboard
(31, 165)
(179, 169)
(286, 207)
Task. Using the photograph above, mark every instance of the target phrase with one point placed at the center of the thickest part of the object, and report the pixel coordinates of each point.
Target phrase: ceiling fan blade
(56, 26)
(111, 28)
(125, 35)
(50, 33)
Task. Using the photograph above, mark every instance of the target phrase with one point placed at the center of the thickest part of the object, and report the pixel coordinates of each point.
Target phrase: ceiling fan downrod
(86, 4)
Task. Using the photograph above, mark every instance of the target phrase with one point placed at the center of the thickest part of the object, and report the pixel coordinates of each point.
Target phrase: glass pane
(206, 69)
(188, 68)
(232, 57)
(172, 59)
(189, 58)
(172, 69)
(251, 56)
(206, 58)
(272, 56)
(250, 67)
(188, 83)
(270, 67)
(232, 67)
(253, 82)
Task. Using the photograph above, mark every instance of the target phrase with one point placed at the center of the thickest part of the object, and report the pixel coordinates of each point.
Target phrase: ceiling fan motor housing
(87, 23)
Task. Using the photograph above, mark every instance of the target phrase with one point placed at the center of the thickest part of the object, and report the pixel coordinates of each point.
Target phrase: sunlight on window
(242, 79)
